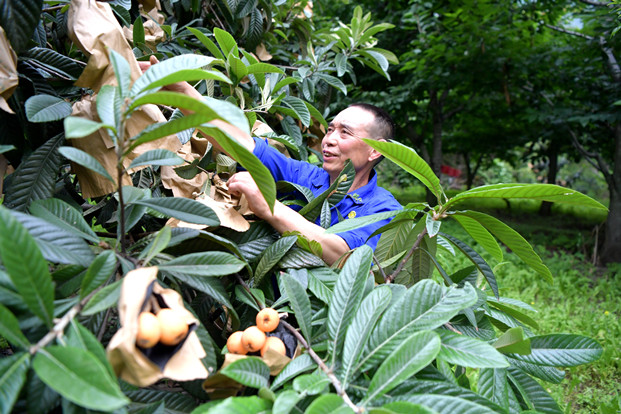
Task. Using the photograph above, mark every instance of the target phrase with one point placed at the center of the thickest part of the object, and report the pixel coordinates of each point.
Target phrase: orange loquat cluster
(253, 338)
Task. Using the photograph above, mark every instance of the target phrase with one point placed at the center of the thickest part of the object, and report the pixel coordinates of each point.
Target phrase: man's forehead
(352, 118)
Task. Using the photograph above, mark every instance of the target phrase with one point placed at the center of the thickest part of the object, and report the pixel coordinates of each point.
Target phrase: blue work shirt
(364, 201)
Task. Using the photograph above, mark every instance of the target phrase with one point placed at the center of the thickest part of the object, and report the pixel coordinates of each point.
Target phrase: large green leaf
(413, 354)
(122, 72)
(35, 178)
(26, 267)
(85, 160)
(358, 332)
(347, 297)
(185, 209)
(426, 305)
(98, 272)
(477, 260)
(272, 256)
(103, 299)
(9, 328)
(447, 404)
(494, 386)
(410, 161)
(543, 192)
(285, 401)
(19, 18)
(47, 108)
(166, 70)
(512, 240)
(300, 303)
(208, 43)
(402, 407)
(251, 372)
(533, 394)
(235, 405)
(311, 384)
(80, 377)
(204, 264)
(469, 352)
(294, 368)
(226, 42)
(335, 193)
(549, 374)
(156, 245)
(63, 215)
(513, 341)
(76, 127)
(13, 369)
(561, 350)
(480, 234)
(158, 156)
(107, 106)
(357, 222)
(328, 404)
(54, 61)
(56, 244)
(80, 337)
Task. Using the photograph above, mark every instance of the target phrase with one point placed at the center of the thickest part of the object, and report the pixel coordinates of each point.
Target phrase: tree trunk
(546, 206)
(436, 153)
(611, 250)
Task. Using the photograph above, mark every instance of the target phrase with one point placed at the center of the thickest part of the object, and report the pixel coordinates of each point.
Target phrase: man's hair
(383, 121)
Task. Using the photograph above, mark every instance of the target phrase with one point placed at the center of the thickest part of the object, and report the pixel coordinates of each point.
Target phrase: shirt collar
(361, 194)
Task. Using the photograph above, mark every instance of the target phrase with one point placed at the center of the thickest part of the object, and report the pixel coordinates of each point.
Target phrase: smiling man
(341, 142)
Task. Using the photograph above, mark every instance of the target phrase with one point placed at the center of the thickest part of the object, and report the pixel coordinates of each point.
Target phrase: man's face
(343, 141)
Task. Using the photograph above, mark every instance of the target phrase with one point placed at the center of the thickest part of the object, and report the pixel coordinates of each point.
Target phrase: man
(341, 142)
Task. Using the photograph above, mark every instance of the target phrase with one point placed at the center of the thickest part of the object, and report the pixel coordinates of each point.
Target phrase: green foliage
(379, 332)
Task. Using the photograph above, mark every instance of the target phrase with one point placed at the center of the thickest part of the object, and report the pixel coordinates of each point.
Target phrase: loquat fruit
(253, 339)
(267, 320)
(275, 344)
(173, 326)
(234, 344)
(148, 330)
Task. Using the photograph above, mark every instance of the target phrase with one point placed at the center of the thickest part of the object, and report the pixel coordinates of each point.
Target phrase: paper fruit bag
(143, 367)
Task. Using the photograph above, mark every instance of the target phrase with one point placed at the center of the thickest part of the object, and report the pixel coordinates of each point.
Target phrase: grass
(582, 300)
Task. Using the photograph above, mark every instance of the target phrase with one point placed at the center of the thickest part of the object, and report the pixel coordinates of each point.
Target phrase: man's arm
(285, 219)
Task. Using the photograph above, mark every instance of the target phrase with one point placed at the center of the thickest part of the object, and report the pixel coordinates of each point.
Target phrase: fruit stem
(247, 288)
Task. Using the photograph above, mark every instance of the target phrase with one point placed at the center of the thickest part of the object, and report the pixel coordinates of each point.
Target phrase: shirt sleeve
(283, 168)
(358, 237)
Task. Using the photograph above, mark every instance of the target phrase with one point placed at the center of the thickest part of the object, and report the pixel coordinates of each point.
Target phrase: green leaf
(185, 209)
(272, 256)
(513, 341)
(9, 328)
(225, 40)
(122, 72)
(103, 299)
(447, 404)
(413, 354)
(311, 384)
(493, 385)
(26, 267)
(157, 245)
(347, 297)
(80, 377)
(138, 32)
(332, 81)
(156, 157)
(19, 20)
(13, 369)
(299, 108)
(98, 272)
(469, 352)
(477, 260)
(522, 317)
(512, 240)
(401, 407)
(204, 264)
(85, 160)
(236, 405)
(251, 372)
(480, 234)
(166, 69)
(335, 193)
(543, 192)
(410, 161)
(294, 368)
(80, 337)
(237, 68)
(285, 401)
(561, 350)
(107, 108)
(76, 127)
(6, 148)
(300, 303)
(35, 178)
(63, 215)
(426, 305)
(358, 332)
(328, 404)
(357, 222)
(263, 68)
(208, 43)
(46, 108)
(535, 396)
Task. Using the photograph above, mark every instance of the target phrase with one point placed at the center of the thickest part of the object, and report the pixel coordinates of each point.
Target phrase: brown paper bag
(8, 71)
(143, 367)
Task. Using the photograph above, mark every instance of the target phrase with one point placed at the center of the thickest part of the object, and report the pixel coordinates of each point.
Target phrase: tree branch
(419, 239)
(569, 32)
(596, 3)
(335, 381)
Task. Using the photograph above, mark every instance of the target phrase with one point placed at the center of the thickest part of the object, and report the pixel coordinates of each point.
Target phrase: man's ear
(374, 155)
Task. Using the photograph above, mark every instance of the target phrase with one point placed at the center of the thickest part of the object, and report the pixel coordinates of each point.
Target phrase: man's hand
(242, 183)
